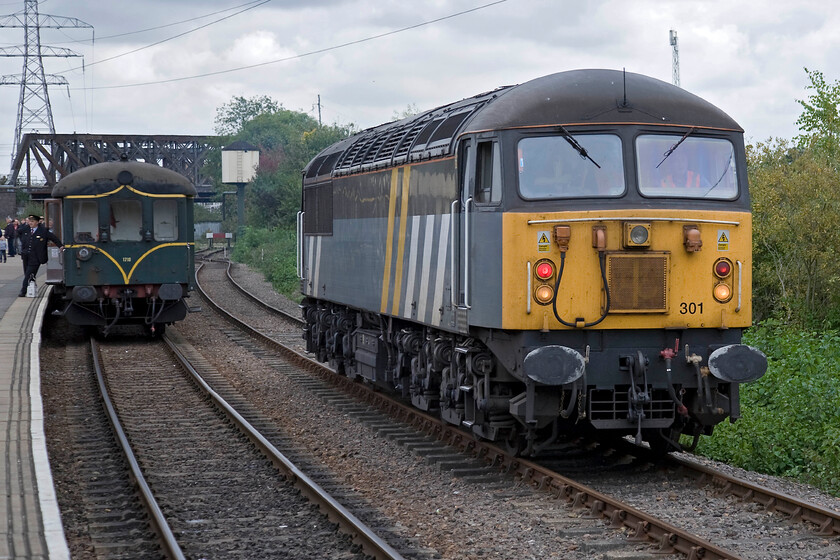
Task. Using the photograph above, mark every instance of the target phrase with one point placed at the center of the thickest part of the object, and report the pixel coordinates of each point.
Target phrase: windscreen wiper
(674, 147)
(580, 149)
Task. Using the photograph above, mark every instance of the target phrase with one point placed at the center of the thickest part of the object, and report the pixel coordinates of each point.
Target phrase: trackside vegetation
(790, 418)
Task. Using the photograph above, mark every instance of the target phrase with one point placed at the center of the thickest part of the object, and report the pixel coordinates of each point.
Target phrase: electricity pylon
(34, 104)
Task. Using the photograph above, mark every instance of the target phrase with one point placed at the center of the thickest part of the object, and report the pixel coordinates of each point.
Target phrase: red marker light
(544, 270)
(723, 268)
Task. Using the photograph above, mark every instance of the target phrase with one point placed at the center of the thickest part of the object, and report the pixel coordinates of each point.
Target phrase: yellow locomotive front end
(627, 280)
(671, 269)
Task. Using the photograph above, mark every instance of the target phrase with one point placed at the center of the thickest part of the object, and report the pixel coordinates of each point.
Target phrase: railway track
(217, 492)
(812, 533)
(207, 491)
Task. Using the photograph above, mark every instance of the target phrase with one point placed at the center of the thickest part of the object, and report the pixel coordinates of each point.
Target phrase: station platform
(30, 522)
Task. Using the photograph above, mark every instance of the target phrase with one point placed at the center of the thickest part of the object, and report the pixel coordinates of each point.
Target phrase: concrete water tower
(239, 166)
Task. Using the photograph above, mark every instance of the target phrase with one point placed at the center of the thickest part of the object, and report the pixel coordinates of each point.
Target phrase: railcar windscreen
(686, 166)
(85, 221)
(166, 219)
(553, 167)
(126, 220)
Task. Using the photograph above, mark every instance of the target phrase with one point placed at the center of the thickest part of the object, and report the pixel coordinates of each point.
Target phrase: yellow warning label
(543, 238)
(723, 240)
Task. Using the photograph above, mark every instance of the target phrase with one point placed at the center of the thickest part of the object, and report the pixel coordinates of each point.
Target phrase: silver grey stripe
(428, 242)
(317, 264)
(439, 287)
(408, 295)
(310, 262)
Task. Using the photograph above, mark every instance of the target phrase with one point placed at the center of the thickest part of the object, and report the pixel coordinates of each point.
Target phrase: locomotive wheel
(663, 442)
(515, 442)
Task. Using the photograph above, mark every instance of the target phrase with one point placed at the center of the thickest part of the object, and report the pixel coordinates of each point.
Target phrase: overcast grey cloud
(747, 57)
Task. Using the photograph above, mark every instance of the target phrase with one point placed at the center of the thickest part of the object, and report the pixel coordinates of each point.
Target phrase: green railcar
(129, 246)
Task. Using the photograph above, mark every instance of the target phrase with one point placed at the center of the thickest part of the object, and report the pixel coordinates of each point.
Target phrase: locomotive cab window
(488, 186)
(126, 220)
(686, 166)
(553, 167)
(85, 221)
(166, 219)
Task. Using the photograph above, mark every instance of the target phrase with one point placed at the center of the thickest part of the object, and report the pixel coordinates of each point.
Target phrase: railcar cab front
(127, 229)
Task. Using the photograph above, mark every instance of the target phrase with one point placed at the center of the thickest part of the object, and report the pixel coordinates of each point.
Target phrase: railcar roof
(105, 177)
(576, 97)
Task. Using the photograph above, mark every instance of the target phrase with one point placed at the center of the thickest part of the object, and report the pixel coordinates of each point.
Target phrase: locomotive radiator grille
(638, 283)
(609, 408)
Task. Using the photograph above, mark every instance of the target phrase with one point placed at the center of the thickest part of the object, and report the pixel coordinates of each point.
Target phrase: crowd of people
(27, 238)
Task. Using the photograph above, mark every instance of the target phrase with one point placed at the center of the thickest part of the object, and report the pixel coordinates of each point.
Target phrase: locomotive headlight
(84, 253)
(636, 235)
(722, 292)
(544, 269)
(543, 294)
(723, 268)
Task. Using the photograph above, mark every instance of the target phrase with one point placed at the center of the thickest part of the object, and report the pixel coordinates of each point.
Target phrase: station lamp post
(239, 166)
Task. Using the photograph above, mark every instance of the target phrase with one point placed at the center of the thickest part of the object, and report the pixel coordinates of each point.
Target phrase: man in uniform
(34, 251)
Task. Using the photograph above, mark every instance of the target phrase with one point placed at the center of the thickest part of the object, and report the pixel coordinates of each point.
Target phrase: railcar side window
(550, 167)
(166, 219)
(488, 186)
(85, 221)
(126, 220)
(696, 167)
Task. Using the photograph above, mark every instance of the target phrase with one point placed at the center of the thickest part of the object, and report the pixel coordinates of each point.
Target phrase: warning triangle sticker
(723, 238)
(543, 238)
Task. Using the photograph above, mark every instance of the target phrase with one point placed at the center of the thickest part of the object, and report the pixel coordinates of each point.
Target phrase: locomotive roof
(576, 97)
(105, 177)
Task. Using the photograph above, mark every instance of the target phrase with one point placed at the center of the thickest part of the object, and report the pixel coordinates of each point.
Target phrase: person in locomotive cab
(34, 251)
(678, 175)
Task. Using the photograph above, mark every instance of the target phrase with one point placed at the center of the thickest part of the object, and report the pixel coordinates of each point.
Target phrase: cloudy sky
(165, 66)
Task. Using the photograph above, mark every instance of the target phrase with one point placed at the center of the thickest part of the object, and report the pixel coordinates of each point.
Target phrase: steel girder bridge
(53, 156)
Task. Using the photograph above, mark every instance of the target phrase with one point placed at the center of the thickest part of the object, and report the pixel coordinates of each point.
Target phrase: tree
(795, 229)
(820, 120)
(232, 116)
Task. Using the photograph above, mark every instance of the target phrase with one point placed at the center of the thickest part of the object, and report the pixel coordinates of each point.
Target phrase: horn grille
(638, 283)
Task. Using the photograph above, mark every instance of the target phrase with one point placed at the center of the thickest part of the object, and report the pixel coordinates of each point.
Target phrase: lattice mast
(675, 59)
(34, 104)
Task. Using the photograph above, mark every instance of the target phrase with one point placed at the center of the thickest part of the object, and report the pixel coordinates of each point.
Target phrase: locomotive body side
(542, 274)
(129, 245)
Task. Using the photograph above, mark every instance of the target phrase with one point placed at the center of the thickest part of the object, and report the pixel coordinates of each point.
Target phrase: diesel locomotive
(566, 256)
(129, 247)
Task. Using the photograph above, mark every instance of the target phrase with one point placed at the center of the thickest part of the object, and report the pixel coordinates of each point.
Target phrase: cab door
(461, 229)
(55, 257)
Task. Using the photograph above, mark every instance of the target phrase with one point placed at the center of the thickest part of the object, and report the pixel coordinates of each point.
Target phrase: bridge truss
(53, 156)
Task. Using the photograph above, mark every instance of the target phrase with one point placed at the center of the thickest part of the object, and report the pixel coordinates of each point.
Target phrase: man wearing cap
(34, 252)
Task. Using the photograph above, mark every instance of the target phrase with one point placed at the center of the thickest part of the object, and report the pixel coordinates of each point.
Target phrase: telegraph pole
(34, 103)
(675, 59)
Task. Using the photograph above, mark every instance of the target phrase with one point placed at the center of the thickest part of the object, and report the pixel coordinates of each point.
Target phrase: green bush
(790, 418)
(272, 252)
